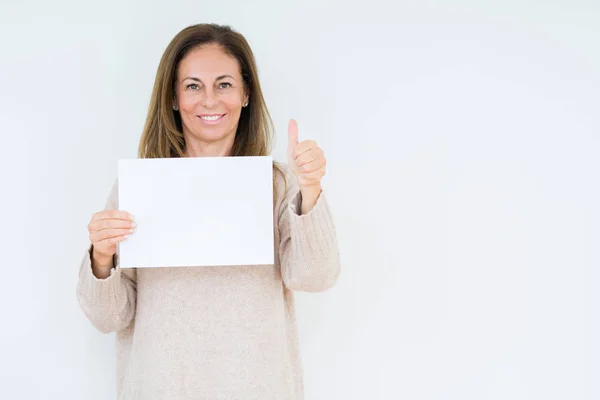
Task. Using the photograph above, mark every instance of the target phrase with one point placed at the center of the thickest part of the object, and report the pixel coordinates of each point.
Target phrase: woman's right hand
(107, 229)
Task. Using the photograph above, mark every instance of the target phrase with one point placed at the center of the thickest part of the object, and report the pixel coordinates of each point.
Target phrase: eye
(227, 84)
(192, 86)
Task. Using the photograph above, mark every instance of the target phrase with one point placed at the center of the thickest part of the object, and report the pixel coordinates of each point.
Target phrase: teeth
(211, 118)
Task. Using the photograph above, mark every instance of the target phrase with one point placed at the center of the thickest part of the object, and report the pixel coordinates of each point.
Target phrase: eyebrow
(193, 78)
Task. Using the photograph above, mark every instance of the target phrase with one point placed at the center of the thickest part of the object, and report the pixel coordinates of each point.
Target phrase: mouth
(211, 119)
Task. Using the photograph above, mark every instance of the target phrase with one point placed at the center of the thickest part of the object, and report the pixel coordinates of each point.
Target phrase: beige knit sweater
(221, 332)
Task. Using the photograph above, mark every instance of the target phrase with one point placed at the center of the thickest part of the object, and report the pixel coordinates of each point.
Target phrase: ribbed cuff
(99, 293)
(313, 234)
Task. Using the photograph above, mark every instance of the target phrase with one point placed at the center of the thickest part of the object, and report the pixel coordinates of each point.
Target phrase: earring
(175, 107)
(245, 104)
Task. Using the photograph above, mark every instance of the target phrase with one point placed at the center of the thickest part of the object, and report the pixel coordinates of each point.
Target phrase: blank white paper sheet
(201, 211)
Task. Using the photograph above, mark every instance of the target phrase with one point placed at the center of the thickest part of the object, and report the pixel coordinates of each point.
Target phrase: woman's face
(210, 94)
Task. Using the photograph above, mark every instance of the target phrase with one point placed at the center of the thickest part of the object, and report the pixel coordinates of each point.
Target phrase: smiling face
(210, 94)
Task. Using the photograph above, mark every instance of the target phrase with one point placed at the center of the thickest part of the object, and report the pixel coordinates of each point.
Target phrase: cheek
(232, 99)
(187, 103)
(233, 104)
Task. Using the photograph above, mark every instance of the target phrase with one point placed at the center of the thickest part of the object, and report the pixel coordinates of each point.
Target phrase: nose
(210, 98)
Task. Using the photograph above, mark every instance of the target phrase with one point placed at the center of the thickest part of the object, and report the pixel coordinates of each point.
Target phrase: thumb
(292, 134)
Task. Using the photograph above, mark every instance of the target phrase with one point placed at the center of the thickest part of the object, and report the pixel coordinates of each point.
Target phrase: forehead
(208, 61)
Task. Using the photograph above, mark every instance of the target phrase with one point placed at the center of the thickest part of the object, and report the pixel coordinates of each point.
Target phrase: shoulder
(284, 181)
(281, 171)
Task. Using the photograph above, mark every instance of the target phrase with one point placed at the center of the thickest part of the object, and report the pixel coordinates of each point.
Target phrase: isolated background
(463, 173)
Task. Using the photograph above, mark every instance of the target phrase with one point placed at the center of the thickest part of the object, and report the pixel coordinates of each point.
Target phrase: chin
(212, 134)
(209, 135)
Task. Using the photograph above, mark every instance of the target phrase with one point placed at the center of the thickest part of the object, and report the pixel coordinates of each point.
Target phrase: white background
(463, 173)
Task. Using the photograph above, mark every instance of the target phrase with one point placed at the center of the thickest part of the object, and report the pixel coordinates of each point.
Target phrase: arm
(308, 248)
(108, 302)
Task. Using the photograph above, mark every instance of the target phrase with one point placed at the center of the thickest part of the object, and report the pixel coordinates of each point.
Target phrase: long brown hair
(162, 136)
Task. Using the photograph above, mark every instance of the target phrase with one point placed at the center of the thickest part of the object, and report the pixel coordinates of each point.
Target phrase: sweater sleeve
(108, 303)
(308, 247)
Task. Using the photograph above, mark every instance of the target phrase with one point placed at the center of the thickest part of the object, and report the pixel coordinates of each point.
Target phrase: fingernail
(133, 225)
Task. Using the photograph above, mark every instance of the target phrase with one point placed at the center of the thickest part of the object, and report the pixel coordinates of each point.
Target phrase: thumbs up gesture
(307, 161)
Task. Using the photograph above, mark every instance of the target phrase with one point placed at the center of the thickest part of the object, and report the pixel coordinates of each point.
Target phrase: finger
(309, 156)
(110, 224)
(312, 177)
(108, 234)
(112, 214)
(292, 134)
(102, 244)
(304, 147)
(313, 165)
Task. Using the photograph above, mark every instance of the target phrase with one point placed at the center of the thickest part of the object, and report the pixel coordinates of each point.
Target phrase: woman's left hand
(307, 161)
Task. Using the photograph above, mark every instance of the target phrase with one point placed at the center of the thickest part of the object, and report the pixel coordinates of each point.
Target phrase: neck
(198, 148)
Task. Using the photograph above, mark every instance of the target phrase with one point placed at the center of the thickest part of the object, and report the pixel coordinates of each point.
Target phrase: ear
(246, 94)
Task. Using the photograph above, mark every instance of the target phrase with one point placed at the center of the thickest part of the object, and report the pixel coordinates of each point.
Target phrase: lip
(211, 115)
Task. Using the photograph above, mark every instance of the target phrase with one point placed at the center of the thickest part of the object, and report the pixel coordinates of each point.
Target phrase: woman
(226, 332)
